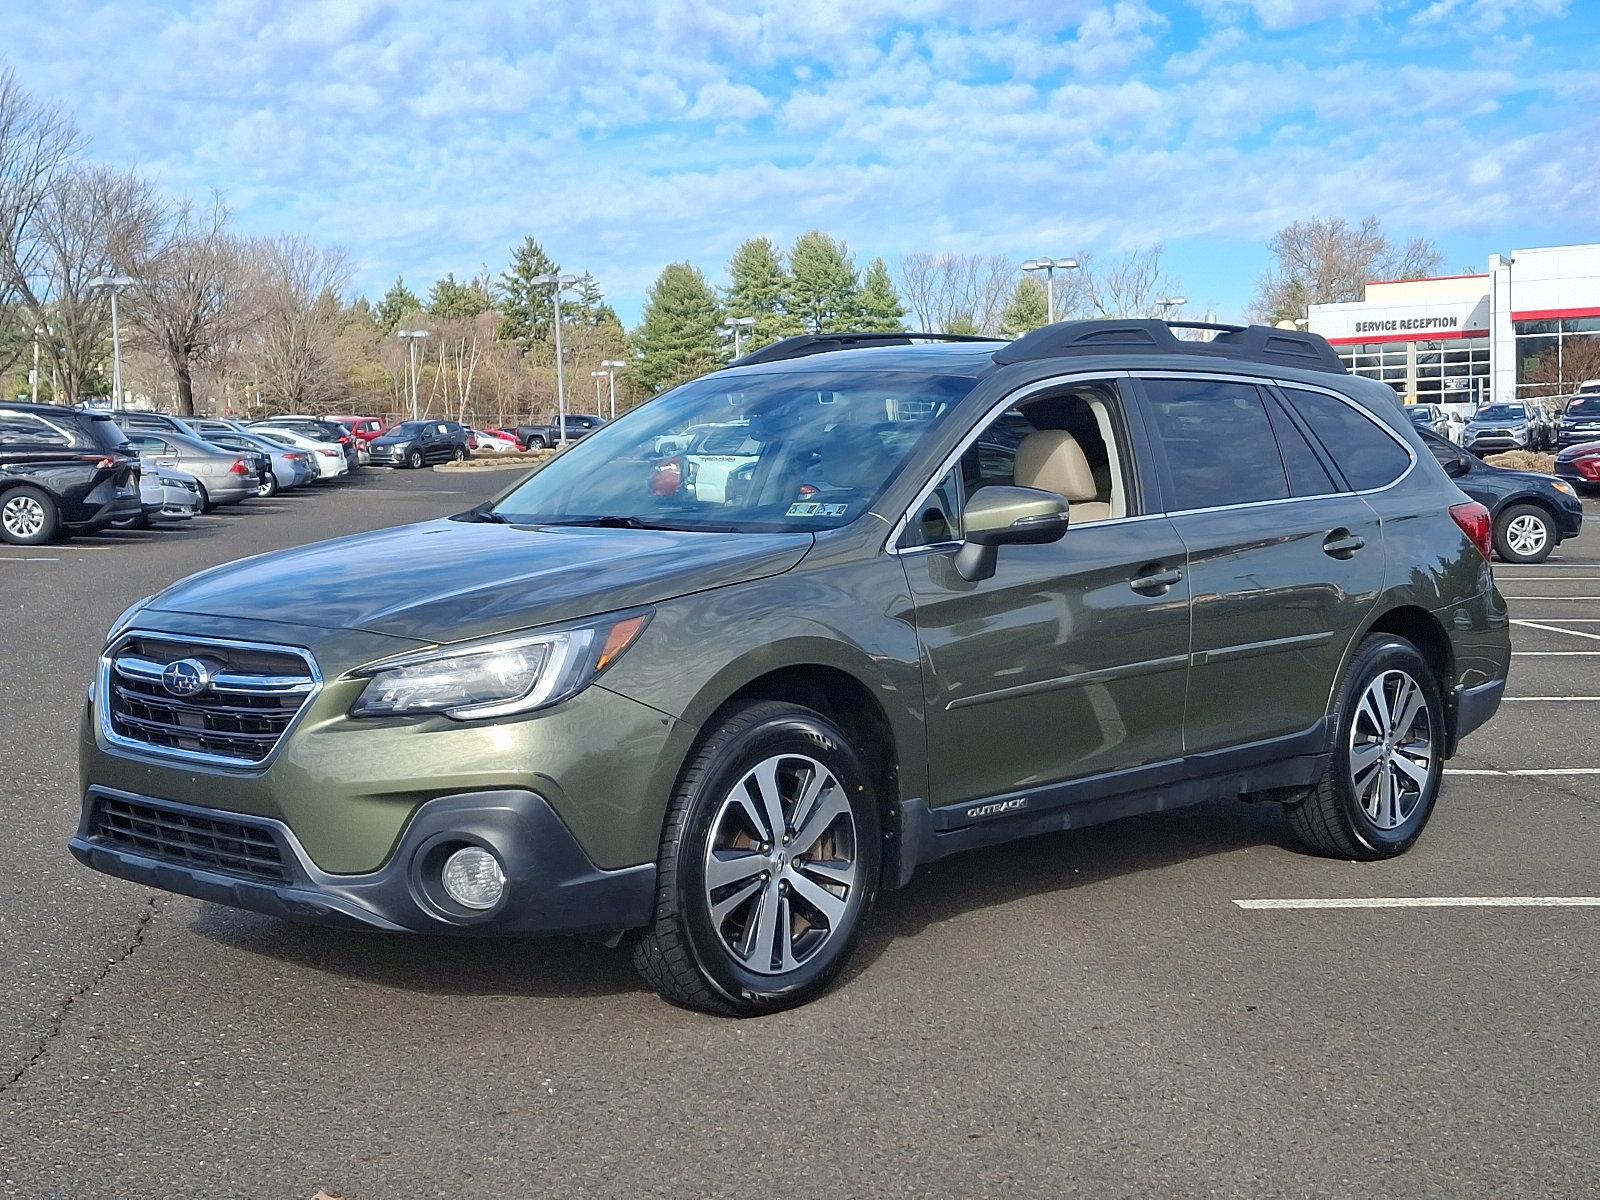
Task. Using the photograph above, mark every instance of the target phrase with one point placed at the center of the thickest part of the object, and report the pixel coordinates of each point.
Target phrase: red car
(1580, 465)
(368, 429)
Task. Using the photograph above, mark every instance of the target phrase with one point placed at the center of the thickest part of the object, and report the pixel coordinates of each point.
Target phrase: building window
(1553, 357)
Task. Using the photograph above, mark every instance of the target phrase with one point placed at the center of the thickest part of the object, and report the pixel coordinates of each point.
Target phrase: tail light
(238, 468)
(294, 457)
(1589, 466)
(104, 462)
(1473, 518)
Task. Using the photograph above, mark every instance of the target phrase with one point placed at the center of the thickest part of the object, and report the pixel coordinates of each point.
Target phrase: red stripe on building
(1444, 335)
(1554, 314)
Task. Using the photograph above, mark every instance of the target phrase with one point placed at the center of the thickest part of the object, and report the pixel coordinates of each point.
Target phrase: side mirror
(1456, 467)
(1007, 516)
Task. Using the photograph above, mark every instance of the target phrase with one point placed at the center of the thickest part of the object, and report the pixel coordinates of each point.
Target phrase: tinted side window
(1307, 475)
(1367, 455)
(25, 429)
(1218, 442)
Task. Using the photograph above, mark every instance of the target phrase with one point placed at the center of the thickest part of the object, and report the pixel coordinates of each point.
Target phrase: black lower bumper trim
(1473, 708)
(552, 887)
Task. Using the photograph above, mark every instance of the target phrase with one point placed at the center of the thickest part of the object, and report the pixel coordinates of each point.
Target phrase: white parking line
(1549, 578)
(1550, 599)
(1430, 902)
(9, 558)
(1548, 699)
(1555, 628)
(1555, 654)
(1523, 771)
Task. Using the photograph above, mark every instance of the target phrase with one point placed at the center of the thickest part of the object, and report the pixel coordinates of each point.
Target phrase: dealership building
(1470, 338)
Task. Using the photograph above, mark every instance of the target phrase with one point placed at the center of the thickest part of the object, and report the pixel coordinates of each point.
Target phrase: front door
(1070, 660)
(1283, 561)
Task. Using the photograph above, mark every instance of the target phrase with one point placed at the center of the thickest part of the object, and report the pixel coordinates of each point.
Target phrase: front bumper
(551, 884)
(1566, 436)
(1493, 443)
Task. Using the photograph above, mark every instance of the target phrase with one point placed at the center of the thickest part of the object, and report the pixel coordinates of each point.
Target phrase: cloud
(433, 138)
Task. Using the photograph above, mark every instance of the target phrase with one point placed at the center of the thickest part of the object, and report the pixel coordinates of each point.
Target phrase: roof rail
(1253, 343)
(823, 343)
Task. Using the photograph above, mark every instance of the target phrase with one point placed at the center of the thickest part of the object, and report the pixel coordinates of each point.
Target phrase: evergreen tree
(525, 307)
(758, 286)
(451, 298)
(677, 339)
(1028, 308)
(881, 310)
(397, 303)
(963, 323)
(823, 294)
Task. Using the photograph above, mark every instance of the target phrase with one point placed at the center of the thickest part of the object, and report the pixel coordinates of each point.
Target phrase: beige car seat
(1052, 460)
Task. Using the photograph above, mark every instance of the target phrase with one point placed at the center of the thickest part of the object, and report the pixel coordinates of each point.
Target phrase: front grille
(213, 843)
(253, 695)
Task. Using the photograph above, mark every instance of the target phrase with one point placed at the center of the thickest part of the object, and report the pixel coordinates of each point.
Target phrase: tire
(688, 953)
(414, 459)
(460, 454)
(28, 516)
(536, 443)
(269, 486)
(205, 501)
(1342, 819)
(1524, 533)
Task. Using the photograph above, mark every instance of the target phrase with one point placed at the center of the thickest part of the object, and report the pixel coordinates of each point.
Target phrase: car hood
(1581, 450)
(448, 581)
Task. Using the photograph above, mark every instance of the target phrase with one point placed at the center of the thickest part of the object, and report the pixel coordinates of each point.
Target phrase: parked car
(328, 458)
(1580, 465)
(165, 494)
(319, 429)
(493, 443)
(1580, 420)
(225, 476)
(1430, 417)
(287, 467)
(540, 437)
(719, 728)
(366, 429)
(1505, 425)
(1532, 513)
(509, 435)
(150, 421)
(62, 471)
(417, 443)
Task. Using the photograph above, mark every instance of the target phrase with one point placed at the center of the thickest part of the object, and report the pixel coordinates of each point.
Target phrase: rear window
(1588, 406)
(1368, 454)
(1218, 441)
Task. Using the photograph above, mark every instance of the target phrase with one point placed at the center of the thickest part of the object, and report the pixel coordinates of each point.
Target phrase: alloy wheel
(1526, 534)
(22, 516)
(781, 864)
(1391, 749)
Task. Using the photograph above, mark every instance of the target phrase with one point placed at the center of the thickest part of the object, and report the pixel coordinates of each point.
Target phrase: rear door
(1283, 560)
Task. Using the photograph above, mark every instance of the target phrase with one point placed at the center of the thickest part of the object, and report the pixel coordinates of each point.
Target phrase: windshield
(744, 453)
(1588, 406)
(1502, 412)
(1421, 414)
(406, 429)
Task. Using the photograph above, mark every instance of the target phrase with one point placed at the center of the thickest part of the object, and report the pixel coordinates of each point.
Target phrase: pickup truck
(537, 437)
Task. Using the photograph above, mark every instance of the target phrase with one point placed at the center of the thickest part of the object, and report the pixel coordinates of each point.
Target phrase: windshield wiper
(608, 522)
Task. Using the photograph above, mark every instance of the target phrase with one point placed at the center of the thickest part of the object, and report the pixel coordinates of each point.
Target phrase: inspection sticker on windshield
(804, 509)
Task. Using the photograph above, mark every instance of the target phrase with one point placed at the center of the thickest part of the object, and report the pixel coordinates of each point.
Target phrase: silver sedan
(225, 476)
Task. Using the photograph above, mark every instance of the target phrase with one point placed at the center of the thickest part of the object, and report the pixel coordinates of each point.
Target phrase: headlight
(494, 679)
(126, 616)
(1562, 486)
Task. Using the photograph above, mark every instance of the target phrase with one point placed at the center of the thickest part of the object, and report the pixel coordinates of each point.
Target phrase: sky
(427, 137)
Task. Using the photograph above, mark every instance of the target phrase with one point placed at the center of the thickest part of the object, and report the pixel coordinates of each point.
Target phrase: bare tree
(37, 142)
(1130, 285)
(93, 222)
(944, 291)
(291, 347)
(191, 298)
(1325, 261)
(1556, 374)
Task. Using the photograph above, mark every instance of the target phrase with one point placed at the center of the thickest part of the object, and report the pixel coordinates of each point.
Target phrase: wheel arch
(1424, 631)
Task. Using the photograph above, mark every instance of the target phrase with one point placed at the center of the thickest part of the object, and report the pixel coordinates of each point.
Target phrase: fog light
(473, 879)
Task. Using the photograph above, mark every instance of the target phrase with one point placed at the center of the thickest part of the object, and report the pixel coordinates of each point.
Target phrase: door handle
(1341, 543)
(1155, 581)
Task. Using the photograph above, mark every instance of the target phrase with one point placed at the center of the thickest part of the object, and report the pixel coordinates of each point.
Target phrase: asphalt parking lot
(1087, 1014)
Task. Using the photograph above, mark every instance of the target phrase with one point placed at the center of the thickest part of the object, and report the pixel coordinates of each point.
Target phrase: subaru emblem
(186, 677)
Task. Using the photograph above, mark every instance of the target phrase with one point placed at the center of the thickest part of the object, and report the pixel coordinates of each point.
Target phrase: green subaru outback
(938, 594)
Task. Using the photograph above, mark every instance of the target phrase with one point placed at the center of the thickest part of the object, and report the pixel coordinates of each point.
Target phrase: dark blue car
(1532, 513)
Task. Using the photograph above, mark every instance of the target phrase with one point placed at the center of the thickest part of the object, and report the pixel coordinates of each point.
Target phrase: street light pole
(737, 324)
(1050, 266)
(612, 366)
(114, 283)
(597, 376)
(556, 283)
(1167, 303)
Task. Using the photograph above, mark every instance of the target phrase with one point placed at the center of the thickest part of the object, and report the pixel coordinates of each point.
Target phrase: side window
(938, 519)
(1219, 445)
(1365, 452)
(1307, 475)
(1452, 460)
(25, 429)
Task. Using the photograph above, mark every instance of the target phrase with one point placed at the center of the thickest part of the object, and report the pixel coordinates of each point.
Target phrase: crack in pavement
(59, 1019)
